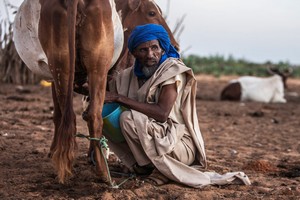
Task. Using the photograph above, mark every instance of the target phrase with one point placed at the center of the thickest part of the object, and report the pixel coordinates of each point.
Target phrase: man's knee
(125, 121)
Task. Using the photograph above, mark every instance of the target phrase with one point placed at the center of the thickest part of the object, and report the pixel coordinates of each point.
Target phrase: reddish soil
(263, 140)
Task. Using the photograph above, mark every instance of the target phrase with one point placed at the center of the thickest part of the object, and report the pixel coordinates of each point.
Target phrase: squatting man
(160, 127)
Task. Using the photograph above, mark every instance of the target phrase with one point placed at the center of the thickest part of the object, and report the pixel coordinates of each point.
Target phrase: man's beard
(149, 71)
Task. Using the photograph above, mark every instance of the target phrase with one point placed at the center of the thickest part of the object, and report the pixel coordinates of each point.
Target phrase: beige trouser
(131, 151)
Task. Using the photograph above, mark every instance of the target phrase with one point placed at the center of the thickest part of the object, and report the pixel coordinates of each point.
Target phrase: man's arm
(159, 111)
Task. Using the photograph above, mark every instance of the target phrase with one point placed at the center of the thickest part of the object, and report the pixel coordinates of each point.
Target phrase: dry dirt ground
(263, 140)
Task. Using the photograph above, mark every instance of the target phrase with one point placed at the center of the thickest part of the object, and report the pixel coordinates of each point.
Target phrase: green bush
(219, 65)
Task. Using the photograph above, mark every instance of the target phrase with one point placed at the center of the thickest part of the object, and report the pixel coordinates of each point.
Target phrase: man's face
(149, 53)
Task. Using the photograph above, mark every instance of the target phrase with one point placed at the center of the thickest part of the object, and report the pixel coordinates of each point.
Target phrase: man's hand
(110, 97)
(158, 111)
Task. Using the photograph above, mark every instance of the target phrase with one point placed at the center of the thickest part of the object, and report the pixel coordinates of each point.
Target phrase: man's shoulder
(176, 62)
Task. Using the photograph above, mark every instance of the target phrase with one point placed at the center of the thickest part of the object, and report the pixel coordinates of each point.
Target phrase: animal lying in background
(250, 88)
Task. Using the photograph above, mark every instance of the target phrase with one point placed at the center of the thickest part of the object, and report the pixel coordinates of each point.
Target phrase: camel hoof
(104, 179)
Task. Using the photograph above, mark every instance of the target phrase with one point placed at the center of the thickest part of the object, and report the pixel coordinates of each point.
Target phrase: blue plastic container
(111, 124)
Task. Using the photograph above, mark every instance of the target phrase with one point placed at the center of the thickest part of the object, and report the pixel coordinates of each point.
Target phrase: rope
(103, 145)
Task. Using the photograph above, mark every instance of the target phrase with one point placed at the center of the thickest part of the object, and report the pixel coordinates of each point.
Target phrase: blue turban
(148, 32)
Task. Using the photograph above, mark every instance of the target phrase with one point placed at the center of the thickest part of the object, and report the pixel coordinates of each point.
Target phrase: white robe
(158, 140)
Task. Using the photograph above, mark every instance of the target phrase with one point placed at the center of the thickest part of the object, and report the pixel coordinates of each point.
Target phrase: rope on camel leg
(103, 144)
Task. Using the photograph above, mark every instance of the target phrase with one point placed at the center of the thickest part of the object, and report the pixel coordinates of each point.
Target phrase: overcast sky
(256, 30)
